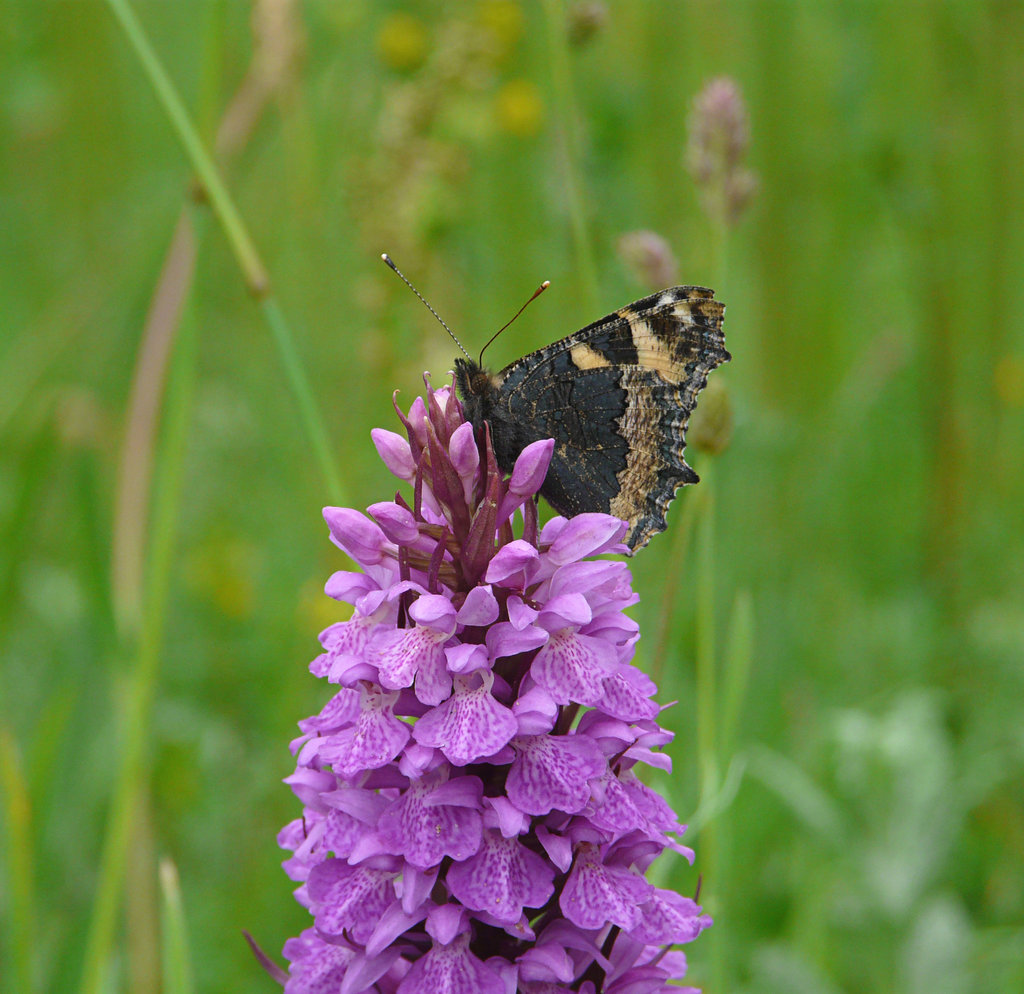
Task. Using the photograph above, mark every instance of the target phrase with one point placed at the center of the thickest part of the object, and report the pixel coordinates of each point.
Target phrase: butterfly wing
(616, 396)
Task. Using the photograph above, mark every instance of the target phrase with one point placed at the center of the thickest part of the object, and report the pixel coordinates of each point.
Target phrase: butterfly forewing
(616, 397)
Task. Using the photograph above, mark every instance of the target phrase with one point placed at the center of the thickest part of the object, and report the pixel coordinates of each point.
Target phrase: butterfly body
(616, 397)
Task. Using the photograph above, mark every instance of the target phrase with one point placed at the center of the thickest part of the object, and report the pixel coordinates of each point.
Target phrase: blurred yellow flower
(315, 610)
(504, 20)
(519, 108)
(1009, 380)
(402, 42)
(222, 573)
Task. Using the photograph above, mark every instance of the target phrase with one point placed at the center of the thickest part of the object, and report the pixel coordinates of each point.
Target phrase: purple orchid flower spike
(472, 817)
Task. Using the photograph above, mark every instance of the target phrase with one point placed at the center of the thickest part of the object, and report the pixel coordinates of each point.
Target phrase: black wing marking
(616, 396)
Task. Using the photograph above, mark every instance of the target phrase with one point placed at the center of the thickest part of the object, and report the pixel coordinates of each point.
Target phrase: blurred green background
(849, 574)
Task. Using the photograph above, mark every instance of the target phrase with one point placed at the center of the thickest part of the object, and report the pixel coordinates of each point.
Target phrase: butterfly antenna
(388, 260)
(536, 294)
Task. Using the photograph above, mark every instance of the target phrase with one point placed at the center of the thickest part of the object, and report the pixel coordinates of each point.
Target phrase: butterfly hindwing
(616, 397)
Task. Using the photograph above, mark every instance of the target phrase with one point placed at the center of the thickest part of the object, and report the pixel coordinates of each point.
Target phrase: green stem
(707, 701)
(221, 202)
(683, 532)
(20, 945)
(249, 262)
(308, 411)
(738, 660)
(138, 709)
(719, 255)
(177, 963)
(705, 630)
(712, 757)
(558, 47)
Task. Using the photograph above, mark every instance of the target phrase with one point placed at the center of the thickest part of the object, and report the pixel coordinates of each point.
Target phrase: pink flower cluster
(472, 820)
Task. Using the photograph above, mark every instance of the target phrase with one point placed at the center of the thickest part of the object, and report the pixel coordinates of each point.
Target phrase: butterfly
(616, 398)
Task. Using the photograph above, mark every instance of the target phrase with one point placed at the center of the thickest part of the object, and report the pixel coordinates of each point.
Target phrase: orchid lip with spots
(472, 817)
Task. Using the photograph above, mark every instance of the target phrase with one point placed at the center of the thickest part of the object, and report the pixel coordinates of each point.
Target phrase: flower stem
(707, 705)
(684, 529)
(707, 695)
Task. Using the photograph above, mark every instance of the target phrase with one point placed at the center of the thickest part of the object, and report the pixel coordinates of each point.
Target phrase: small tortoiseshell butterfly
(616, 398)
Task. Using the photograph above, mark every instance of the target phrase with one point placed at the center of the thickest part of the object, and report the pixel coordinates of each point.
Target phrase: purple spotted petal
(613, 809)
(346, 644)
(670, 917)
(574, 667)
(502, 878)
(376, 738)
(470, 725)
(451, 969)
(597, 894)
(403, 653)
(651, 805)
(622, 700)
(341, 833)
(340, 711)
(349, 898)
(317, 967)
(551, 772)
(424, 834)
(433, 681)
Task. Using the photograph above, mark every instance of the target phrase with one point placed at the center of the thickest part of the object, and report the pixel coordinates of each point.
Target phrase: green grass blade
(19, 862)
(221, 202)
(738, 660)
(177, 961)
(253, 270)
(138, 705)
(561, 77)
(308, 411)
